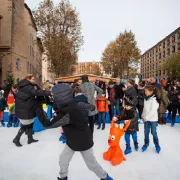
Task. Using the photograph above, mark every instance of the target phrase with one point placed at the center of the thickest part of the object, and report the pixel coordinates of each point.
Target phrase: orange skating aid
(114, 153)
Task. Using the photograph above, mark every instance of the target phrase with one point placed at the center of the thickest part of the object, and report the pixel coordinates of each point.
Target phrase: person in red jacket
(102, 106)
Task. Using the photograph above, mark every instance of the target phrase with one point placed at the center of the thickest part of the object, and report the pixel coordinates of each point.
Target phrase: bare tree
(60, 30)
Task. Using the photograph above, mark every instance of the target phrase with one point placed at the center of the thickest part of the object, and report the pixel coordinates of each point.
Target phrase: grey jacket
(89, 89)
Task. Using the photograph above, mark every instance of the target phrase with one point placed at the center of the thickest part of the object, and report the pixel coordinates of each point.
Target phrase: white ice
(39, 161)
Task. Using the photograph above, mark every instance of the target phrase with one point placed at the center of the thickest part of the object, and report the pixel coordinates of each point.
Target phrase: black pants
(91, 124)
(169, 108)
(140, 110)
(174, 112)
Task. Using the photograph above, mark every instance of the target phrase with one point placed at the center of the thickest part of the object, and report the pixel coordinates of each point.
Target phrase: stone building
(90, 68)
(20, 49)
(46, 74)
(151, 60)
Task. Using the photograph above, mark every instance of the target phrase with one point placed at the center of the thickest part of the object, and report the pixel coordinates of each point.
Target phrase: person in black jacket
(129, 113)
(25, 103)
(119, 93)
(79, 137)
(131, 92)
(141, 95)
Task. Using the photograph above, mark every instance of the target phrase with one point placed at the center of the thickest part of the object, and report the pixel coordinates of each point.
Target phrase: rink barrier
(48, 109)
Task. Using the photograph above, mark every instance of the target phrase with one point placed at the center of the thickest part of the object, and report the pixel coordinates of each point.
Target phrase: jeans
(127, 138)
(118, 106)
(153, 126)
(102, 118)
(111, 111)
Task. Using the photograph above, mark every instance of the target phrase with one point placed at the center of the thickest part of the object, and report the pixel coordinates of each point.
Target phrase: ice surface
(39, 161)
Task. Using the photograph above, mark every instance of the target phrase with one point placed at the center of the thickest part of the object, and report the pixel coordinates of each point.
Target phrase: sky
(103, 20)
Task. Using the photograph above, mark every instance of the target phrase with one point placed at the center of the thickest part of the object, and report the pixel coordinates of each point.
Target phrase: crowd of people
(81, 105)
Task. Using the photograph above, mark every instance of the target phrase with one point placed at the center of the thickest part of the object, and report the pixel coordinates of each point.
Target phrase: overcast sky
(103, 20)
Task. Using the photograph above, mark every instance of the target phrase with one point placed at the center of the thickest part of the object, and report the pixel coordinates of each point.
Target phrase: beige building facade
(88, 68)
(20, 49)
(151, 60)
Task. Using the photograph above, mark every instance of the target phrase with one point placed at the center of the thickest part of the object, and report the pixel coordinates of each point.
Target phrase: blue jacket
(3, 104)
(84, 99)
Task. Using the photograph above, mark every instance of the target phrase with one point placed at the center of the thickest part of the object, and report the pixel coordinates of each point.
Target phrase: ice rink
(39, 161)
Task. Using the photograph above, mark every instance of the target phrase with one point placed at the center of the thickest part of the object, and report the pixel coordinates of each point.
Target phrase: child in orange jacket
(102, 106)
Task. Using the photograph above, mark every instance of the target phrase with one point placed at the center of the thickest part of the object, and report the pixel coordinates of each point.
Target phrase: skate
(172, 124)
(9, 125)
(64, 140)
(108, 178)
(30, 137)
(16, 140)
(61, 138)
(158, 149)
(136, 146)
(103, 127)
(128, 150)
(99, 126)
(144, 148)
(62, 178)
(2, 124)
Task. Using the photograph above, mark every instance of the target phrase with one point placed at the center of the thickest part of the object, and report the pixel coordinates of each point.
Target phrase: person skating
(3, 106)
(79, 137)
(150, 116)
(26, 100)
(102, 106)
(129, 113)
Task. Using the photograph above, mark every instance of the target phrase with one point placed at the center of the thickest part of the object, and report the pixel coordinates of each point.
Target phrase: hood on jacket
(81, 98)
(63, 94)
(24, 83)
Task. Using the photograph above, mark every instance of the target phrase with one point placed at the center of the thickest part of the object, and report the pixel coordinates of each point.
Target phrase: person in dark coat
(79, 137)
(141, 95)
(129, 113)
(119, 93)
(131, 92)
(153, 82)
(25, 103)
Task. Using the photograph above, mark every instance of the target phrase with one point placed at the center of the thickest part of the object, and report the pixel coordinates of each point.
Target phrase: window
(168, 42)
(173, 49)
(160, 47)
(159, 55)
(164, 44)
(0, 27)
(163, 54)
(168, 52)
(179, 47)
(18, 64)
(173, 39)
(28, 67)
(156, 49)
(179, 35)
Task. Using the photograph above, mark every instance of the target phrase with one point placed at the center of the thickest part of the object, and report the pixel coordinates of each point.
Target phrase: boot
(62, 178)
(103, 127)
(2, 124)
(128, 149)
(9, 125)
(144, 148)
(99, 126)
(136, 146)
(18, 136)
(158, 149)
(108, 178)
(30, 137)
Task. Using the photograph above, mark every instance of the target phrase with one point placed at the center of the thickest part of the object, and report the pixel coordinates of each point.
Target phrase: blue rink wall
(38, 126)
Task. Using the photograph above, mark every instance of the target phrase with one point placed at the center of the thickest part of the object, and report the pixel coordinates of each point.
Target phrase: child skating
(150, 116)
(79, 137)
(3, 106)
(129, 113)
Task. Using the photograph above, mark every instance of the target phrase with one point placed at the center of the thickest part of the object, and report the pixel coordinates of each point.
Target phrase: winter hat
(62, 94)
(129, 102)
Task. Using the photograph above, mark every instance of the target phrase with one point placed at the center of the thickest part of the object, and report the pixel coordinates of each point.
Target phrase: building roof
(32, 18)
(178, 29)
(90, 76)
